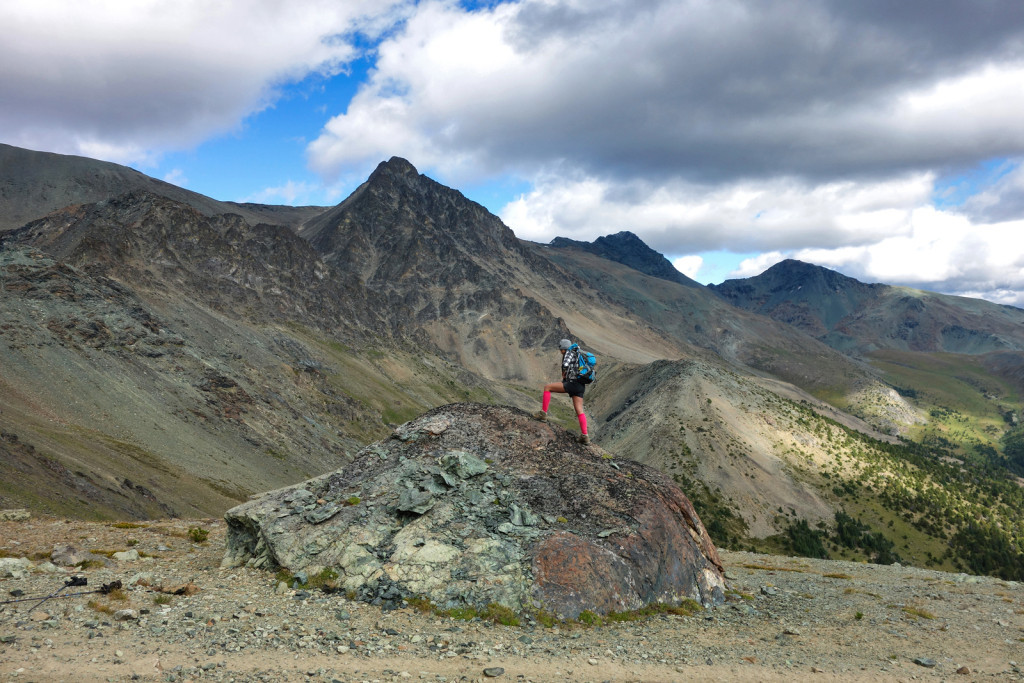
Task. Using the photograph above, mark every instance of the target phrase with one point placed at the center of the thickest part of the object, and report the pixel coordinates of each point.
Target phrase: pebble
(238, 617)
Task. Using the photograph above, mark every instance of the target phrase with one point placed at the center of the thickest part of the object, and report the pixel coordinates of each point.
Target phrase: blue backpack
(585, 368)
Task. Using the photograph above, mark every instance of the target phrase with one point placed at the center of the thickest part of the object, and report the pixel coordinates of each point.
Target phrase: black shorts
(574, 388)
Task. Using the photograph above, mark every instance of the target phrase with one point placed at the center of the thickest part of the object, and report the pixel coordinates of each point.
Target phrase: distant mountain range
(852, 316)
(165, 353)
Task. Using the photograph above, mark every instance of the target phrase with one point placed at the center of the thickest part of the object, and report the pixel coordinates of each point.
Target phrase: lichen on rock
(472, 504)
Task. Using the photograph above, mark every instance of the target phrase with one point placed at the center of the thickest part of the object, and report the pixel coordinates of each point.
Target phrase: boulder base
(473, 504)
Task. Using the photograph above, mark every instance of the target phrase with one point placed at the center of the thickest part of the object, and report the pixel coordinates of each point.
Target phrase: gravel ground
(785, 619)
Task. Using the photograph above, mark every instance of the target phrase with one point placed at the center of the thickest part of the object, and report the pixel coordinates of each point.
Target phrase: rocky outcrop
(471, 505)
(149, 242)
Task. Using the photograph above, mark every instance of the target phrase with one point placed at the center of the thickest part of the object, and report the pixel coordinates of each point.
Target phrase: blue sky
(880, 139)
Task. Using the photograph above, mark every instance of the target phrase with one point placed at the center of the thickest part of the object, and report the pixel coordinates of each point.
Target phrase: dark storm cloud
(718, 90)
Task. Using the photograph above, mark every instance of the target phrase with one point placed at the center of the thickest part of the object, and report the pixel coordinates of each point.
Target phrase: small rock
(17, 515)
(127, 556)
(69, 555)
(142, 578)
(126, 615)
(14, 567)
(964, 670)
(494, 672)
(925, 662)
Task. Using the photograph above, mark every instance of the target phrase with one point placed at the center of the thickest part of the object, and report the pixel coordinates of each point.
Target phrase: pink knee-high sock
(546, 401)
(583, 423)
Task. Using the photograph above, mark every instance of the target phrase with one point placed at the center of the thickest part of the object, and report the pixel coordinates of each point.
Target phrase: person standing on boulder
(570, 384)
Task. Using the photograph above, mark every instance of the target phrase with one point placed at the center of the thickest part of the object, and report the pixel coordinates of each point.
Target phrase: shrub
(198, 535)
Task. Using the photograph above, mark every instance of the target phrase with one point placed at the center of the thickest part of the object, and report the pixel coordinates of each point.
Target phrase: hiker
(570, 384)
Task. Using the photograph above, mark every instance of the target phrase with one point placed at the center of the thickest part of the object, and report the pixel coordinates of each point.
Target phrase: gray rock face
(471, 505)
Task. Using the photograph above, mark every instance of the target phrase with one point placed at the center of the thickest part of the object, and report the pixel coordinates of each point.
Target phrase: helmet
(564, 344)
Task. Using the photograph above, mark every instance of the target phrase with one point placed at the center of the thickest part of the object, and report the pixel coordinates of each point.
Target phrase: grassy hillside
(779, 474)
(969, 408)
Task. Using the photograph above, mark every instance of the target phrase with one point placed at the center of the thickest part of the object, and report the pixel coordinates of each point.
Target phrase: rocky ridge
(33, 184)
(471, 505)
(852, 316)
(628, 249)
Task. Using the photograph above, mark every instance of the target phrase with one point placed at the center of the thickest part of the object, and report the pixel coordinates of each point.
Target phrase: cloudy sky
(880, 138)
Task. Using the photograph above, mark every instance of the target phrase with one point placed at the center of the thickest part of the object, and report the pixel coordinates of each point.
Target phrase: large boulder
(472, 504)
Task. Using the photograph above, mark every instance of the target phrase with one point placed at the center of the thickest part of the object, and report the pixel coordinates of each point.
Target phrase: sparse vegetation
(198, 534)
(917, 612)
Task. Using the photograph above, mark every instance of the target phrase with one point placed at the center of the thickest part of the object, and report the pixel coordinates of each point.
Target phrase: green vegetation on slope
(913, 500)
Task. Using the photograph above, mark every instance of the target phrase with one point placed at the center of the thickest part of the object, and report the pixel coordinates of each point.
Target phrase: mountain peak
(628, 249)
(395, 166)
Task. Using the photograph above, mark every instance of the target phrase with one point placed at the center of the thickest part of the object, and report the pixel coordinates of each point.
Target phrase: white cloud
(683, 217)
(291, 193)
(668, 89)
(124, 81)
(874, 231)
(689, 265)
(938, 251)
(176, 177)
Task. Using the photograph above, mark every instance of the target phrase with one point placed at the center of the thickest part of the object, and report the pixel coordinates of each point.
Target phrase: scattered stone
(127, 556)
(14, 567)
(126, 615)
(14, 515)
(141, 579)
(964, 670)
(69, 556)
(494, 672)
(926, 662)
(179, 589)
